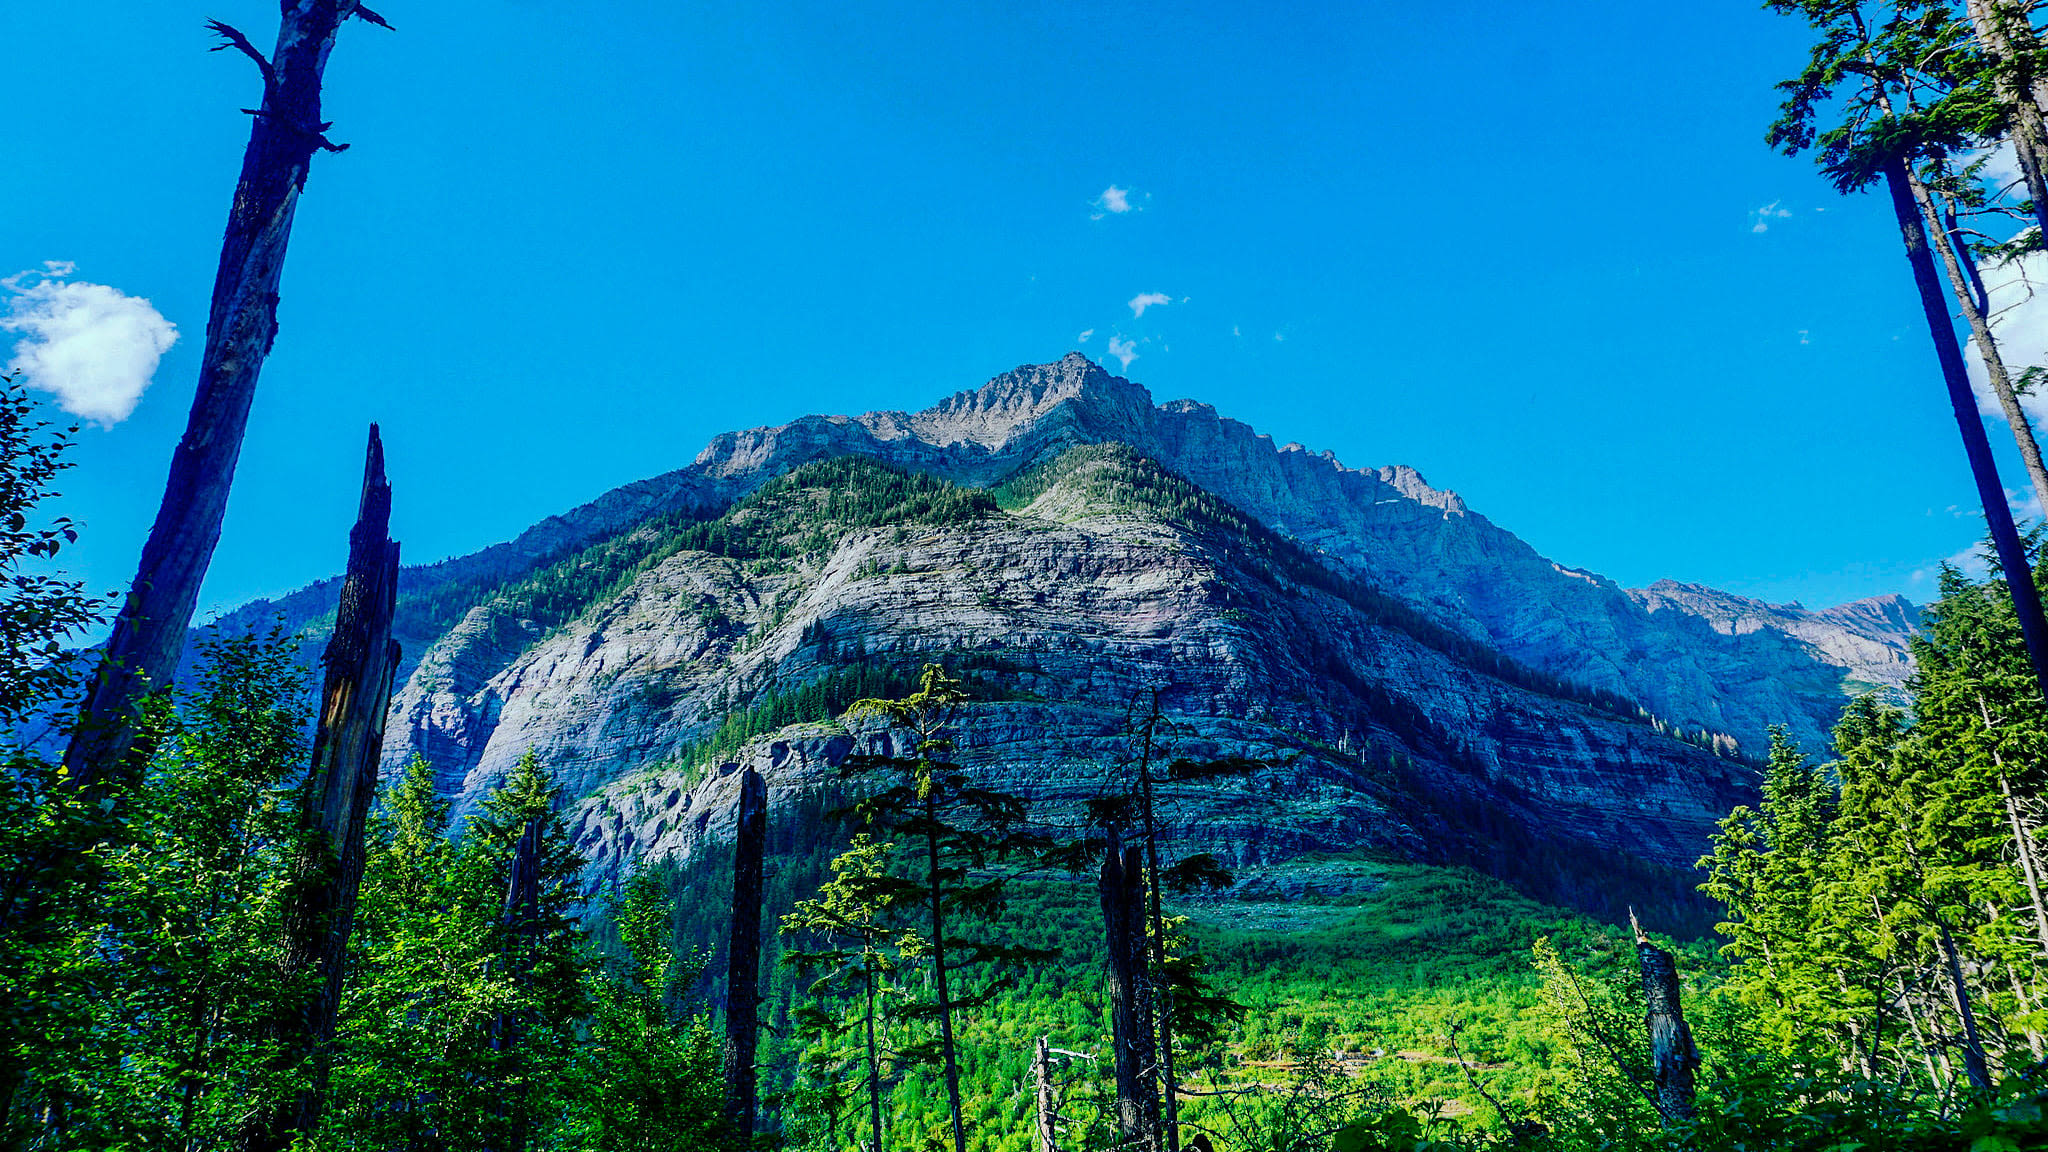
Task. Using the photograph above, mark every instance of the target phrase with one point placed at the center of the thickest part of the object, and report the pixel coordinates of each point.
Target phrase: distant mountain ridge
(1421, 681)
(1700, 658)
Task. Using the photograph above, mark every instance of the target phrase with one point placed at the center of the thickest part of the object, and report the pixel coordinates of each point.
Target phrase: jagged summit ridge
(1700, 658)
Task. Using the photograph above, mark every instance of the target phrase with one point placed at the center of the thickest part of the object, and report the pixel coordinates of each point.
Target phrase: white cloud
(1144, 300)
(2020, 323)
(93, 346)
(2002, 170)
(1760, 220)
(1124, 349)
(1114, 201)
(1972, 561)
(1085, 334)
(1236, 331)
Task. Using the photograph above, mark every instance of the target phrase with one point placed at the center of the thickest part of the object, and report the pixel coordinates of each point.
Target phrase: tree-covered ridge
(1117, 477)
(808, 509)
(800, 513)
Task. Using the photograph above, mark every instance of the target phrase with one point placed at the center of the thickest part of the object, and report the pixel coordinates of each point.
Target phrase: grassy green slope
(1373, 959)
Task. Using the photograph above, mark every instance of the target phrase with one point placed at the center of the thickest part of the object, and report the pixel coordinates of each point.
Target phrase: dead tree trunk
(743, 971)
(2012, 554)
(1162, 999)
(1975, 1065)
(334, 802)
(1123, 919)
(1673, 1058)
(1048, 1109)
(149, 634)
(520, 925)
(1967, 286)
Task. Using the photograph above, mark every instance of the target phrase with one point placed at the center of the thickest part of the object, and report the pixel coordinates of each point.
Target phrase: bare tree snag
(1162, 1000)
(1048, 1110)
(1673, 1058)
(1136, 1063)
(2005, 537)
(149, 634)
(334, 803)
(743, 971)
(521, 924)
(1975, 1066)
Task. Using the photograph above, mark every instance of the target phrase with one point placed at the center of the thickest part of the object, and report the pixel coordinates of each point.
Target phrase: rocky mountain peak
(1072, 393)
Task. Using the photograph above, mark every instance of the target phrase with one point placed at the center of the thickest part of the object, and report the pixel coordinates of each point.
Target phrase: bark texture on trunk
(149, 634)
(2007, 38)
(1673, 1058)
(520, 922)
(1123, 918)
(2012, 554)
(1975, 1065)
(743, 969)
(1048, 1112)
(1964, 282)
(319, 909)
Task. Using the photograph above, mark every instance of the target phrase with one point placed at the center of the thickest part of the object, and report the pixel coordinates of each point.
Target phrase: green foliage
(855, 988)
(648, 1078)
(1866, 898)
(48, 881)
(821, 699)
(954, 831)
(801, 513)
(182, 958)
(40, 612)
(470, 1020)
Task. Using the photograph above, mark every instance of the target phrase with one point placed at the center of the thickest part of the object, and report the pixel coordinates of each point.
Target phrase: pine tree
(647, 1078)
(857, 916)
(953, 831)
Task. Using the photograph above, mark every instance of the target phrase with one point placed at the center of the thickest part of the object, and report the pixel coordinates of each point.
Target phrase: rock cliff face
(1417, 675)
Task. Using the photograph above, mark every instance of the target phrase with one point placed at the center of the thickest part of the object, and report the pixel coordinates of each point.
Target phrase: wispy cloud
(1760, 220)
(1124, 349)
(1144, 300)
(94, 347)
(1085, 334)
(1117, 201)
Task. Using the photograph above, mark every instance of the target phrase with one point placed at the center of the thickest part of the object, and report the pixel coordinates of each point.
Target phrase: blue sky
(1536, 250)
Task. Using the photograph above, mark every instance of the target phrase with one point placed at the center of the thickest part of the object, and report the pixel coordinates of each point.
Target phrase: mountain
(1420, 679)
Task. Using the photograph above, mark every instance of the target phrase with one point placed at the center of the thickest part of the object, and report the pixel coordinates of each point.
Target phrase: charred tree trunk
(149, 634)
(743, 971)
(320, 905)
(2012, 554)
(1673, 1058)
(1123, 920)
